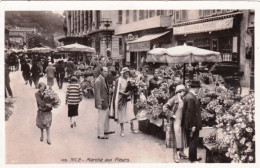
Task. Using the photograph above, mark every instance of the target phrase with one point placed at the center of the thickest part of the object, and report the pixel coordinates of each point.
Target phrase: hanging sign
(142, 46)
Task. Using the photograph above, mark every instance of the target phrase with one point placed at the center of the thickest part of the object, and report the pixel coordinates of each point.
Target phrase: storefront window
(203, 43)
(225, 48)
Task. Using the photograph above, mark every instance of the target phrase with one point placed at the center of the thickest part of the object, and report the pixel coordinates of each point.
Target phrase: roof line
(208, 19)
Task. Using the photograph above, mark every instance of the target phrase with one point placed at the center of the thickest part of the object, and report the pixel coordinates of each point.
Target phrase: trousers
(103, 121)
(60, 79)
(193, 143)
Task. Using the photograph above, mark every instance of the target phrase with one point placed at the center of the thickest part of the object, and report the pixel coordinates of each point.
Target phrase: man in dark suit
(101, 92)
(191, 120)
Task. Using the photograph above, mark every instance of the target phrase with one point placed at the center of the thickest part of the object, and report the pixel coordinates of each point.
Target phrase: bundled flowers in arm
(51, 98)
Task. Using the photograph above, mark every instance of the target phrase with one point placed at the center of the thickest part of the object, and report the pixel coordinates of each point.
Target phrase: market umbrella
(183, 54)
(76, 47)
(40, 49)
(157, 55)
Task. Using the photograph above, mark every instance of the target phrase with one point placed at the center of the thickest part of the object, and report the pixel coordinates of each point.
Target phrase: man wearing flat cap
(191, 120)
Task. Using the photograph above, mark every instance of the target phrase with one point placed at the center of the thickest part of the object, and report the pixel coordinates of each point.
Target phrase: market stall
(228, 131)
(183, 54)
(77, 51)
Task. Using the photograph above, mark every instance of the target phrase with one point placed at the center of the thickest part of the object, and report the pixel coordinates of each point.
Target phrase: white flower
(227, 154)
(248, 129)
(248, 150)
(250, 158)
(243, 157)
(243, 125)
(253, 139)
(249, 144)
(242, 141)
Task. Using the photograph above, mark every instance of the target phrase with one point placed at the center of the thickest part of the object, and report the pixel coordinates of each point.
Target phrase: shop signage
(142, 46)
(131, 37)
(204, 27)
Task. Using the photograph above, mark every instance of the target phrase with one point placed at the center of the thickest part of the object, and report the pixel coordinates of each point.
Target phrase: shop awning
(209, 26)
(143, 43)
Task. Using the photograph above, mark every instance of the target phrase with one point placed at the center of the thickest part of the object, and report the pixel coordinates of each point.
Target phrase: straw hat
(180, 88)
(124, 70)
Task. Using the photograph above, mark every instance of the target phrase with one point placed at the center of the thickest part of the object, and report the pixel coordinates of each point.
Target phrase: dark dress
(60, 74)
(26, 71)
(36, 71)
(43, 119)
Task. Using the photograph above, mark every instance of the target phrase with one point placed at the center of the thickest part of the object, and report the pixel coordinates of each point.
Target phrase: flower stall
(235, 136)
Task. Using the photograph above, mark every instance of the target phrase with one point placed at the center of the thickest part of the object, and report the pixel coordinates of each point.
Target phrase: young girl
(73, 98)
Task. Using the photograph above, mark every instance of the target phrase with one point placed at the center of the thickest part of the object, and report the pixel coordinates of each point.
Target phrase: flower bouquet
(51, 98)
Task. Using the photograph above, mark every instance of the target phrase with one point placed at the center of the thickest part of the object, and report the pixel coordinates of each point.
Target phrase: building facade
(225, 31)
(18, 36)
(142, 30)
(94, 29)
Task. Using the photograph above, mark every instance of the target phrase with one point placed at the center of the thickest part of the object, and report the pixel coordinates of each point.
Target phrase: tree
(40, 40)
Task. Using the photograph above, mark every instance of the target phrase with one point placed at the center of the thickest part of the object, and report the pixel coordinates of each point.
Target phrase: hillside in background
(46, 22)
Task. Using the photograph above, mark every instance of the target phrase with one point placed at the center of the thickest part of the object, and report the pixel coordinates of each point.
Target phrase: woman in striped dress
(73, 98)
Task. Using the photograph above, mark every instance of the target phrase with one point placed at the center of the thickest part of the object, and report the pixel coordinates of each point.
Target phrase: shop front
(220, 34)
(136, 52)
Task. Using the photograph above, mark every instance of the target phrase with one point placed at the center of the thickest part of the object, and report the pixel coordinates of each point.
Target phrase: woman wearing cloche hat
(173, 109)
(122, 108)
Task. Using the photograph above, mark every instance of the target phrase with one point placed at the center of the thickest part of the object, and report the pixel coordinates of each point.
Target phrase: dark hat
(195, 84)
(74, 79)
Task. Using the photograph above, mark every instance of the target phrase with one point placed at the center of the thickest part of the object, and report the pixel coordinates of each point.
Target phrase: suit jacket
(101, 92)
(191, 112)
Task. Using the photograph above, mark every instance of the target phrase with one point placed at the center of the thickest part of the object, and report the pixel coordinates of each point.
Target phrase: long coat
(101, 92)
(50, 72)
(191, 112)
(43, 119)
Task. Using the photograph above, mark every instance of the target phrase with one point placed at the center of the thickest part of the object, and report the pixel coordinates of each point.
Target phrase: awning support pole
(184, 67)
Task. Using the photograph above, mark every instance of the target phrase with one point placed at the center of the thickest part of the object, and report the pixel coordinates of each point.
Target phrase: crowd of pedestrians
(108, 82)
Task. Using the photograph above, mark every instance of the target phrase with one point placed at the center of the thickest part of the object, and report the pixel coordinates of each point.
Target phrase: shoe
(176, 160)
(194, 162)
(135, 131)
(75, 124)
(182, 156)
(41, 139)
(110, 132)
(48, 142)
(122, 134)
(71, 125)
(197, 161)
(102, 137)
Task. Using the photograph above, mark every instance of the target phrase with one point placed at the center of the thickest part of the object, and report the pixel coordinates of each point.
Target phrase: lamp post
(107, 33)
